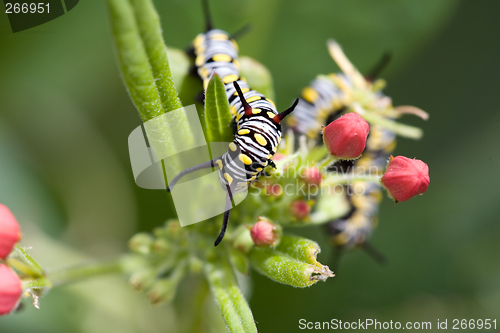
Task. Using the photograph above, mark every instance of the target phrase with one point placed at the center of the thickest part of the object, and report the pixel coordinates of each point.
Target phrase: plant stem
(406, 131)
(234, 307)
(83, 271)
(37, 284)
(32, 265)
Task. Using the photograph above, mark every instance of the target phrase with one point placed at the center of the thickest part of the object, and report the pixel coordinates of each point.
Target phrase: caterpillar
(258, 123)
(325, 99)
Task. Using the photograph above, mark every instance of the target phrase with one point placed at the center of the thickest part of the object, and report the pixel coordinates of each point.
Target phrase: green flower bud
(300, 248)
(141, 243)
(287, 270)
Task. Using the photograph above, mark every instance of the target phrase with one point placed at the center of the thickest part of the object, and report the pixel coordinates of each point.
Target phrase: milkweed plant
(295, 191)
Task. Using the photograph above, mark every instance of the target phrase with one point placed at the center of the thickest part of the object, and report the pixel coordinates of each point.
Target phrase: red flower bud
(345, 138)
(312, 175)
(274, 190)
(265, 233)
(10, 290)
(405, 178)
(278, 156)
(10, 232)
(300, 209)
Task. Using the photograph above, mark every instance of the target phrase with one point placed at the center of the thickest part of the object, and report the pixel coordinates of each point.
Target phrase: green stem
(91, 269)
(37, 284)
(33, 266)
(400, 129)
(329, 160)
(234, 307)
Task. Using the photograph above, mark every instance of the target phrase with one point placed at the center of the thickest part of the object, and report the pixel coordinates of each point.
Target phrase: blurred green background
(64, 168)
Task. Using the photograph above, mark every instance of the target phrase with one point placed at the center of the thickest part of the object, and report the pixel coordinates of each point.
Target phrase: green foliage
(282, 268)
(300, 248)
(217, 114)
(234, 307)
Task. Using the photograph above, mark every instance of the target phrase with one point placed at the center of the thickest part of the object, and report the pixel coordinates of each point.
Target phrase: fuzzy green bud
(300, 248)
(287, 270)
(141, 243)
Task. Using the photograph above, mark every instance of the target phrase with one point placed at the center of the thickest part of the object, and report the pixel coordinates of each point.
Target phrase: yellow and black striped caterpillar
(258, 123)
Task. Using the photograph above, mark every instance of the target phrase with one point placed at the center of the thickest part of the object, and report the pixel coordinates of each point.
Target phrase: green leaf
(217, 114)
(234, 307)
(144, 66)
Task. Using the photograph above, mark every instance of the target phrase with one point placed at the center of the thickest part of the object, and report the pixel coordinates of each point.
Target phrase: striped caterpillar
(258, 123)
(324, 100)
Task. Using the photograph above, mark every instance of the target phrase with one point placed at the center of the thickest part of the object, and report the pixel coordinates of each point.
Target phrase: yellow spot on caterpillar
(390, 147)
(267, 99)
(291, 121)
(203, 72)
(270, 115)
(259, 169)
(243, 90)
(200, 60)
(245, 159)
(260, 139)
(274, 149)
(309, 94)
(337, 103)
(232, 146)
(341, 239)
(222, 57)
(236, 63)
(233, 110)
(256, 111)
(228, 178)
(235, 45)
(230, 78)
(205, 83)
(251, 179)
(243, 132)
(199, 40)
(219, 162)
(253, 99)
(265, 163)
(219, 37)
(238, 116)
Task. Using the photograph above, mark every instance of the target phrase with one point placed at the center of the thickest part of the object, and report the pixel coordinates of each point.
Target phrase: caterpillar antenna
(204, 165)
(242, 32)
(229, 199)
(206, 14)
(379, 66)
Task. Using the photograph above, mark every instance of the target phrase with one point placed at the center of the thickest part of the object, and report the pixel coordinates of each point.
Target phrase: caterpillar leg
(200, 97)
(229, 199)
(374, 253)
(204, 165)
